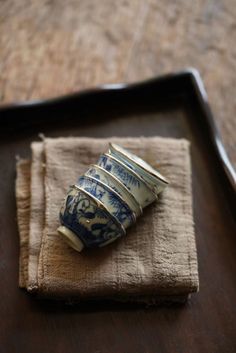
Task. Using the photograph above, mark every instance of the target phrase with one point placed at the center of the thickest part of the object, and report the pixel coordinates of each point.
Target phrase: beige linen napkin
(156, 259)
(23, 216)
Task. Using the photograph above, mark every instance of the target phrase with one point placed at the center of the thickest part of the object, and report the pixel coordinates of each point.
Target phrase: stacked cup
(108, 199)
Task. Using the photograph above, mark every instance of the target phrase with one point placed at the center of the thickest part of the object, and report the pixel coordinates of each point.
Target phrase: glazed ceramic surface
(110, 180)
(92, 224)
(111, 199)
(157, 181)
(135, 184)
(108, 199)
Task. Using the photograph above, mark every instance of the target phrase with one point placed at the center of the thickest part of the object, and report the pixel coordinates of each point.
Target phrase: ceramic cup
(138, 187)
(85, 222)
(157, 181)
(108, 198)
(112, 181)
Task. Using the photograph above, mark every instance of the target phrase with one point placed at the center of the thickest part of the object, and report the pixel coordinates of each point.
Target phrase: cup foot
(71, 238)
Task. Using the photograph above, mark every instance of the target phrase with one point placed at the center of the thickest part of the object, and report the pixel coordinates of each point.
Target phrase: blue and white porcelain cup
(157, 181)
(112, 181)
(137, 186)
(85, 222)
(113, 202)
(108, 198)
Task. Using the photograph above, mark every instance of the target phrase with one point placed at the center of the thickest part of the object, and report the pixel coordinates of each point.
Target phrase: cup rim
(122, 186)
(147, 185)
(100, 204)
(149, 169)
(112, 191)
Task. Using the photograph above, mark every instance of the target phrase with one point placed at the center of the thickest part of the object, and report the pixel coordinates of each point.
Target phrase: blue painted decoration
(115, 205)
(90, 223)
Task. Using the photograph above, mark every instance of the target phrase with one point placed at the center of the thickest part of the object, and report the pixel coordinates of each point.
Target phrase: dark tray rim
(188, 81)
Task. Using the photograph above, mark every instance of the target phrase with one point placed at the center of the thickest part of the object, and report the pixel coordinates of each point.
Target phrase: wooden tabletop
(207, 322)
(48, 49)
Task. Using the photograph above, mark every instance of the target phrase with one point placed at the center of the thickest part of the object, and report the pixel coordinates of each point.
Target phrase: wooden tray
(176, 106)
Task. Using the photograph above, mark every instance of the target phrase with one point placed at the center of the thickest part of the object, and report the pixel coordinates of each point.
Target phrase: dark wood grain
(48, 49)
(172, 106)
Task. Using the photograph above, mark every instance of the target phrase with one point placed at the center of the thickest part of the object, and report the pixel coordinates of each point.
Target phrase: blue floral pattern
(118, 170)
(107, 178)
(109, 198)
(93, 172)
(136, 185)
(90, 223)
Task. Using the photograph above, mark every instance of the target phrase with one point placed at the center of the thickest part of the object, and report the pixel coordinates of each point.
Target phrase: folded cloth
(23, 216)
(157, 258)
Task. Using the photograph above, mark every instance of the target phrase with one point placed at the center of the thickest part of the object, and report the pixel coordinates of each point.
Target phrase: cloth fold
(156, 259)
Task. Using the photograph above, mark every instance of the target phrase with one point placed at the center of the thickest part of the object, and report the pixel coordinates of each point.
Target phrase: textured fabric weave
(23, 216)
(156, 258)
